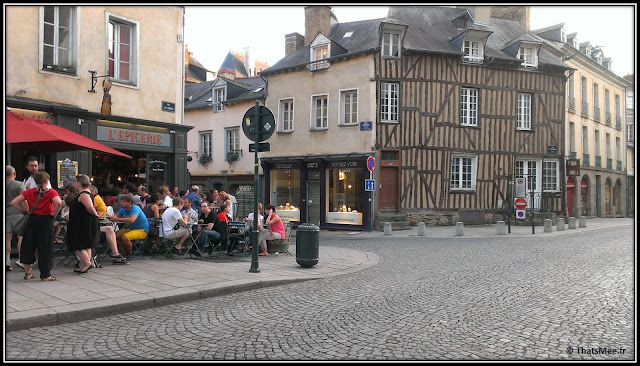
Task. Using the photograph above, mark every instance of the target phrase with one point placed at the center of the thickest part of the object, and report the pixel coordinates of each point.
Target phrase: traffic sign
(369, 185)
(520, 214)
(250, 124)
(262, 146)
(521, 186)
(521, 203)
(371, 163)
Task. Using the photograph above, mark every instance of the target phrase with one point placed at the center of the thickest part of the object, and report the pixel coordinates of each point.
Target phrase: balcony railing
(585, 159)
(607, 118)
(609, 163)
(572, 104)
(319, 65)
(619, 165)
(585, 109)
(598, 161)
(618, 123)
(596, 114)
(573, 155)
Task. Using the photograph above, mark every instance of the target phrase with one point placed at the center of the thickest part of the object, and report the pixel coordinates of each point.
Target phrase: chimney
(292, 42)
(247, 64)
(480, 14)
(522, 14)
(316, 18)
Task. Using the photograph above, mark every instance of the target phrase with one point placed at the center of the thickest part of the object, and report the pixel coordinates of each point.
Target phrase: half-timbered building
(466, 104)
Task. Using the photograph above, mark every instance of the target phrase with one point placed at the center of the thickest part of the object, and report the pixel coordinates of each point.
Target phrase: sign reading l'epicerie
(123, 135)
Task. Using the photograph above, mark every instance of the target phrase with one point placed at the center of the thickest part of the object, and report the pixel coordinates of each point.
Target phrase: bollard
(583, 221)
(572, 222)
(547, 225)
(421, 229)
(560, 223)
(459, 228)
(387, 228)
(500, 228)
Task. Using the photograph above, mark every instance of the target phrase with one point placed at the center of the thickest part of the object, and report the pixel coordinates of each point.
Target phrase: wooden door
(389, 186)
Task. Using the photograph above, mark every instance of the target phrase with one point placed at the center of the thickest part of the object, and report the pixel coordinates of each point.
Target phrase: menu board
(67, 171)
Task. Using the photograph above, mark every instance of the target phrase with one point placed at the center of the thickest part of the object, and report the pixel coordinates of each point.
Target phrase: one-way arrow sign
(263, 146)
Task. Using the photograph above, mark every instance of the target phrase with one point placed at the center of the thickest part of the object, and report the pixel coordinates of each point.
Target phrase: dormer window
(320, 50)
(587, 51)
(391, 44)
(576, 44)
(563, 35)
(528, 55)
(473, 50)
(219, 96)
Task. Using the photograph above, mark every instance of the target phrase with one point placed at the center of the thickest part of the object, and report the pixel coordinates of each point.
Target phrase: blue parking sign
(369, 185)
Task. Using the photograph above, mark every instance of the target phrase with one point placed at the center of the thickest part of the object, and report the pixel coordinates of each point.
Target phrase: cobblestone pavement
(569, 297)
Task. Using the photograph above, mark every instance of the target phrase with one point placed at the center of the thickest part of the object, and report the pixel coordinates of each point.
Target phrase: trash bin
(307, 245)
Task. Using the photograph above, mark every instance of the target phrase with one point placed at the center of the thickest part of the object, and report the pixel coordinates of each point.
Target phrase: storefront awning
(28, 133)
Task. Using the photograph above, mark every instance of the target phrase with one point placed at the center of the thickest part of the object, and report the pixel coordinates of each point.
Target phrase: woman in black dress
(83, 231)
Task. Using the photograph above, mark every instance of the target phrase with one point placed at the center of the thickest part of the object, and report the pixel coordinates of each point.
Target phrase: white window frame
(205, 140)
(469, 106)
(231, 140)
(389, 47)
(563, 35)
(473, 49)
(464, 170)
(585, 139)
(348, 106)
(324, 112)
(551, 175)
(630, 132)
(286, 114)
(54, 65)
(524, 111)
(320, 52)
(219, 96)
(629, 101)
(527, 53)
(389, 102)
(134, 49)
(522, 169)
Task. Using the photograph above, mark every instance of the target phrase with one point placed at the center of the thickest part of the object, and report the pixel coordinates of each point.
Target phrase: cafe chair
(282, 245)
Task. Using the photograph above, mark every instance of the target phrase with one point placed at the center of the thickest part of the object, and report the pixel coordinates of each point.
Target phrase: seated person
(275, 231)
(108, 230)
(152, 212)
(170, 219)
(207, 225)
(137, 229)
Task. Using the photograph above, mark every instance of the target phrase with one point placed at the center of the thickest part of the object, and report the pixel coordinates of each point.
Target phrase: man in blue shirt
(138, 224)
(195, 197)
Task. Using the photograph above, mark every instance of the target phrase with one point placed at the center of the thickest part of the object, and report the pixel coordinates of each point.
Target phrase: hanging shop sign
(573, 167)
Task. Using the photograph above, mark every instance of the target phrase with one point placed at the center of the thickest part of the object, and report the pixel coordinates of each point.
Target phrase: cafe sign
(573, 167)
(134, 137)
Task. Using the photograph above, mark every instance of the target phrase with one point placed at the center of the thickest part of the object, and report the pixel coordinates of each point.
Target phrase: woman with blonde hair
(83, 230)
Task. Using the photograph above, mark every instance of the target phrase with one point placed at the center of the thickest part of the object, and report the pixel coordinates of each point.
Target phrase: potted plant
(204, 159)
(232, 156)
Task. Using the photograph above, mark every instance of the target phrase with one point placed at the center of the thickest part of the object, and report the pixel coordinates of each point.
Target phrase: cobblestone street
(568, 297)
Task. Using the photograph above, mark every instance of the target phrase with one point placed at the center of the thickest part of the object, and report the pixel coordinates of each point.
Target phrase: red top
(45, 206)
(223, 216)
(278, 226)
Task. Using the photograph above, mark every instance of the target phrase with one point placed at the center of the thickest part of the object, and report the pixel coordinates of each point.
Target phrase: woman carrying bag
(39, 232)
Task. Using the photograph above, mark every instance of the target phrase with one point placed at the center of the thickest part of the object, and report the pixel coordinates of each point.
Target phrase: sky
(212, 31)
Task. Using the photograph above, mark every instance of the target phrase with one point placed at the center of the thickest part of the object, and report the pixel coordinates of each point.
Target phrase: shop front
(327, 191)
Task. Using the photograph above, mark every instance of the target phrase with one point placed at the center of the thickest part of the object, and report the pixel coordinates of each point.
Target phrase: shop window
(345, 189)
(285, 193)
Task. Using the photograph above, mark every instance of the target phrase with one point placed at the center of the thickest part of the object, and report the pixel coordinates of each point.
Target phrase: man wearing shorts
(138, 224)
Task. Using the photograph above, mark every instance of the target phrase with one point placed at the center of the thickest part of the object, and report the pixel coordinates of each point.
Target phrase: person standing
(39, 231)
(33, 166)
(195, 197)
(83, 230)
(13, 188)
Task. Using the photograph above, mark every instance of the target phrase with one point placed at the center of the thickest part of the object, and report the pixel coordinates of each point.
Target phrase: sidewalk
(149, 282)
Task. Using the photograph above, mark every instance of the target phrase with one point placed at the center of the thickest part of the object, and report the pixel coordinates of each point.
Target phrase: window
(206, 143)
(563, 35)
(528, 169)
(618, 148)
(607, 108)
(232, 140)
(122, 58)
(59, 37)
(473, 50)
(319, 53)
(389, 102)
(629, 101)
(319, 108)
(469, 107)
(528, 55)
(583, 89)
(607, 141)
(630, 132)
(285, 115)
(524, 111)
(617, 106)
(572, 139)
(585, 140)
(596, 95)
(596, 142)
(391, 44)
(463, 172)
(348, 107)
(550, 169)
(570, 88)
(218, 98)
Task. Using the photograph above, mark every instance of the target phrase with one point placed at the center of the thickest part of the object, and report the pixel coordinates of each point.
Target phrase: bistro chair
(282, 245)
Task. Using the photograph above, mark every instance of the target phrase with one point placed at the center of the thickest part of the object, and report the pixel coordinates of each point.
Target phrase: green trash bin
(307, 245)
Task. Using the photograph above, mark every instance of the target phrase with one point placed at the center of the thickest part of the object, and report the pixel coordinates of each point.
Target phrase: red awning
(28, 133)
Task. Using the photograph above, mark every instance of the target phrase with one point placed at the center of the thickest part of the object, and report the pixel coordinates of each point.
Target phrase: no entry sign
(521, 203)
